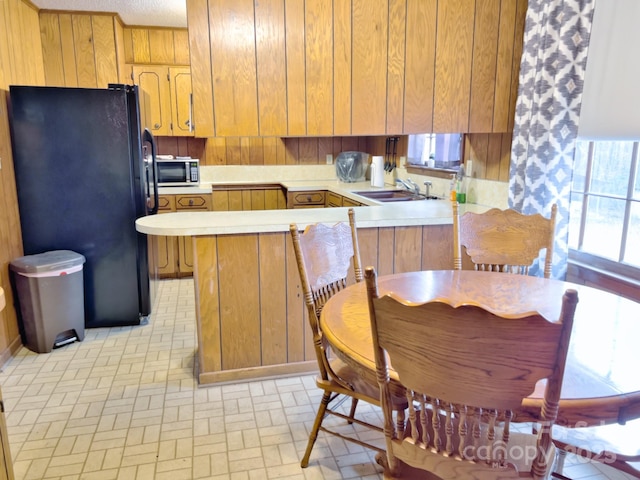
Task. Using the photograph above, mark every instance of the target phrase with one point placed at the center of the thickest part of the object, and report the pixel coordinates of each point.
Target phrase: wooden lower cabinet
(252, 321)
(175, 254)
(249, 197)
(337, 200)
(308, 199)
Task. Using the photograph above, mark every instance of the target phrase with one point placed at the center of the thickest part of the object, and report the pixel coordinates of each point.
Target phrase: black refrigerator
(84, 173)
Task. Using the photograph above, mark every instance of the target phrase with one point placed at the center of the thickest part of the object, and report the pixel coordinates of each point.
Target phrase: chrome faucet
(409, 185)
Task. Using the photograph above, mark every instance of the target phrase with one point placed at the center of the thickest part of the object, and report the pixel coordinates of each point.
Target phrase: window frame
(617, 267)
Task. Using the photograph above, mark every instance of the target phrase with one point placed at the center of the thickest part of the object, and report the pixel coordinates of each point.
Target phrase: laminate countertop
(375, 214)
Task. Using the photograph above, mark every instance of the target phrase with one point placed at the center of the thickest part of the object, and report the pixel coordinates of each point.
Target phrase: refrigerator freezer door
(76, 177)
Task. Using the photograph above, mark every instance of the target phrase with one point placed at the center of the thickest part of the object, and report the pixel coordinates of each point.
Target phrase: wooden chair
(614, 445)
(503, 240)
(324, 255)
(465, 370)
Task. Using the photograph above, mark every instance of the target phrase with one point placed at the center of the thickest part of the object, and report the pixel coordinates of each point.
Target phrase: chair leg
(322, 408)
(352, 413)
(560, 458)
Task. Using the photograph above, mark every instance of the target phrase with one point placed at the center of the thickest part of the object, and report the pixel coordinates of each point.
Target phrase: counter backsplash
(483, 192)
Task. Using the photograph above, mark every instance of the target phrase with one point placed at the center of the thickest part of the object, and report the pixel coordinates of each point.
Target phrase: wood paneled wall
(156, 46)
(354, 67)
(80, 49)
(263, 150)
(20, 64)
(252, 315)
(490, 153)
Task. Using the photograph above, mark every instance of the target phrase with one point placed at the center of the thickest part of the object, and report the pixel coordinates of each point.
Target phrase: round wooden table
(601, 382)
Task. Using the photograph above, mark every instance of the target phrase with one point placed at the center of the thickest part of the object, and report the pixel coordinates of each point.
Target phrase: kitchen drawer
(305, 199)
(166, 203)
(193, 202)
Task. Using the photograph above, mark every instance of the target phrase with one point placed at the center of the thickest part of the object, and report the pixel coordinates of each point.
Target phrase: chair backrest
(467, 369)
(325, 255)
(503, 240)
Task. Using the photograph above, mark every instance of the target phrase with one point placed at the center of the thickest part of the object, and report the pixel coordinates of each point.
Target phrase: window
(605, 203)
(435, 150)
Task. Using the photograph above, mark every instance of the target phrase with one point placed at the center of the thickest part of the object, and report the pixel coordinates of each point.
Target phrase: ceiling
(157, 13)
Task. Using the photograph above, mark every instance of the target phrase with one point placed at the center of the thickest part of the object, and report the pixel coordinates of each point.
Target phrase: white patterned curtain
(554, 57)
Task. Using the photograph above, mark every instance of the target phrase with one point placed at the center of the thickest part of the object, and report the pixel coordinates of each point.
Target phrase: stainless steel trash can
(50, 294)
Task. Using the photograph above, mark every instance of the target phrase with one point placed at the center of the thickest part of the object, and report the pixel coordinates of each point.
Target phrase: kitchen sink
(394, 195)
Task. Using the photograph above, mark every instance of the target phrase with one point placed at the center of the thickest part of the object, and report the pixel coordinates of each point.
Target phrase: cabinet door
(180, 85)
(185, 244)
(233, 41)
(200, 54)
(167, 246)
(185, 249)
(155, 97)
(167, 262)
(334, 200)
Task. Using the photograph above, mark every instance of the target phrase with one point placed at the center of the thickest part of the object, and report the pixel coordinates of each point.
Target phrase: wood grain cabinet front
(356, 68)
(167, 263)
(337, 200)
(185, 203)
(334, 200)
(249, 197)
(165, 98)
(175, 254)
(309, 199)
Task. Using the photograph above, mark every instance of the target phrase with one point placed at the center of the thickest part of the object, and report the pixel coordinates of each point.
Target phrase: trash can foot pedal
(65, 338)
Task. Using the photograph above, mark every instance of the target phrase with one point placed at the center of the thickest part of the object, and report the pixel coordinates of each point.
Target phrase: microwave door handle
(148, 137)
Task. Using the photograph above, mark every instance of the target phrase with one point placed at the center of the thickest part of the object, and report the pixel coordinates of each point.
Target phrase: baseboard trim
(257, 373)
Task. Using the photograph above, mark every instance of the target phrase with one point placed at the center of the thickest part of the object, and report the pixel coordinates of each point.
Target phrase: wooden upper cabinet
(370, 38)
(79, 49)
(166, 98)
(271, 67)
(154, 85)
(233, 47)
(318, 18)
(420, 48)
(354, 67)
(201, 73)
(156, 45)
(180, 96)
(454, 45)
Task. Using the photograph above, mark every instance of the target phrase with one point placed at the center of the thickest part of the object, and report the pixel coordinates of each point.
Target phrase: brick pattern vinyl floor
(124, 404)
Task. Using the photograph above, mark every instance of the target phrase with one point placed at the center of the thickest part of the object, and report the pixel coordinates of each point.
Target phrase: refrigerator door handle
(147, 136)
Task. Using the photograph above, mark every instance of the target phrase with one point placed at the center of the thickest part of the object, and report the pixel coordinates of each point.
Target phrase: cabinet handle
(190, 112)
(190, 202)
(156, 126)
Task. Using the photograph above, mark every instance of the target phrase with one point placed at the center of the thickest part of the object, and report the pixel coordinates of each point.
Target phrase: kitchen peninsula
(251, 320)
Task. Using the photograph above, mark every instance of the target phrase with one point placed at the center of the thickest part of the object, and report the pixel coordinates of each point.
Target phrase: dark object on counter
(391, 150)
(351, 166)
(82, 182)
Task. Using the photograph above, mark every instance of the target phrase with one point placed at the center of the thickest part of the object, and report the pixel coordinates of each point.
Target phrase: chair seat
(361, 384)
(521, 452)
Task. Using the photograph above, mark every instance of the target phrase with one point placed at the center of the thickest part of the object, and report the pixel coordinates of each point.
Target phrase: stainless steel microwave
(178, 172)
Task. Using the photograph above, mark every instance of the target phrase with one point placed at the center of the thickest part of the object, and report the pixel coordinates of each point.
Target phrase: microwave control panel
(193, 168)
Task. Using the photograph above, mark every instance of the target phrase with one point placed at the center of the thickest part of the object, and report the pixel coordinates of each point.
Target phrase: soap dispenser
(461, 190)
(452, 188)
